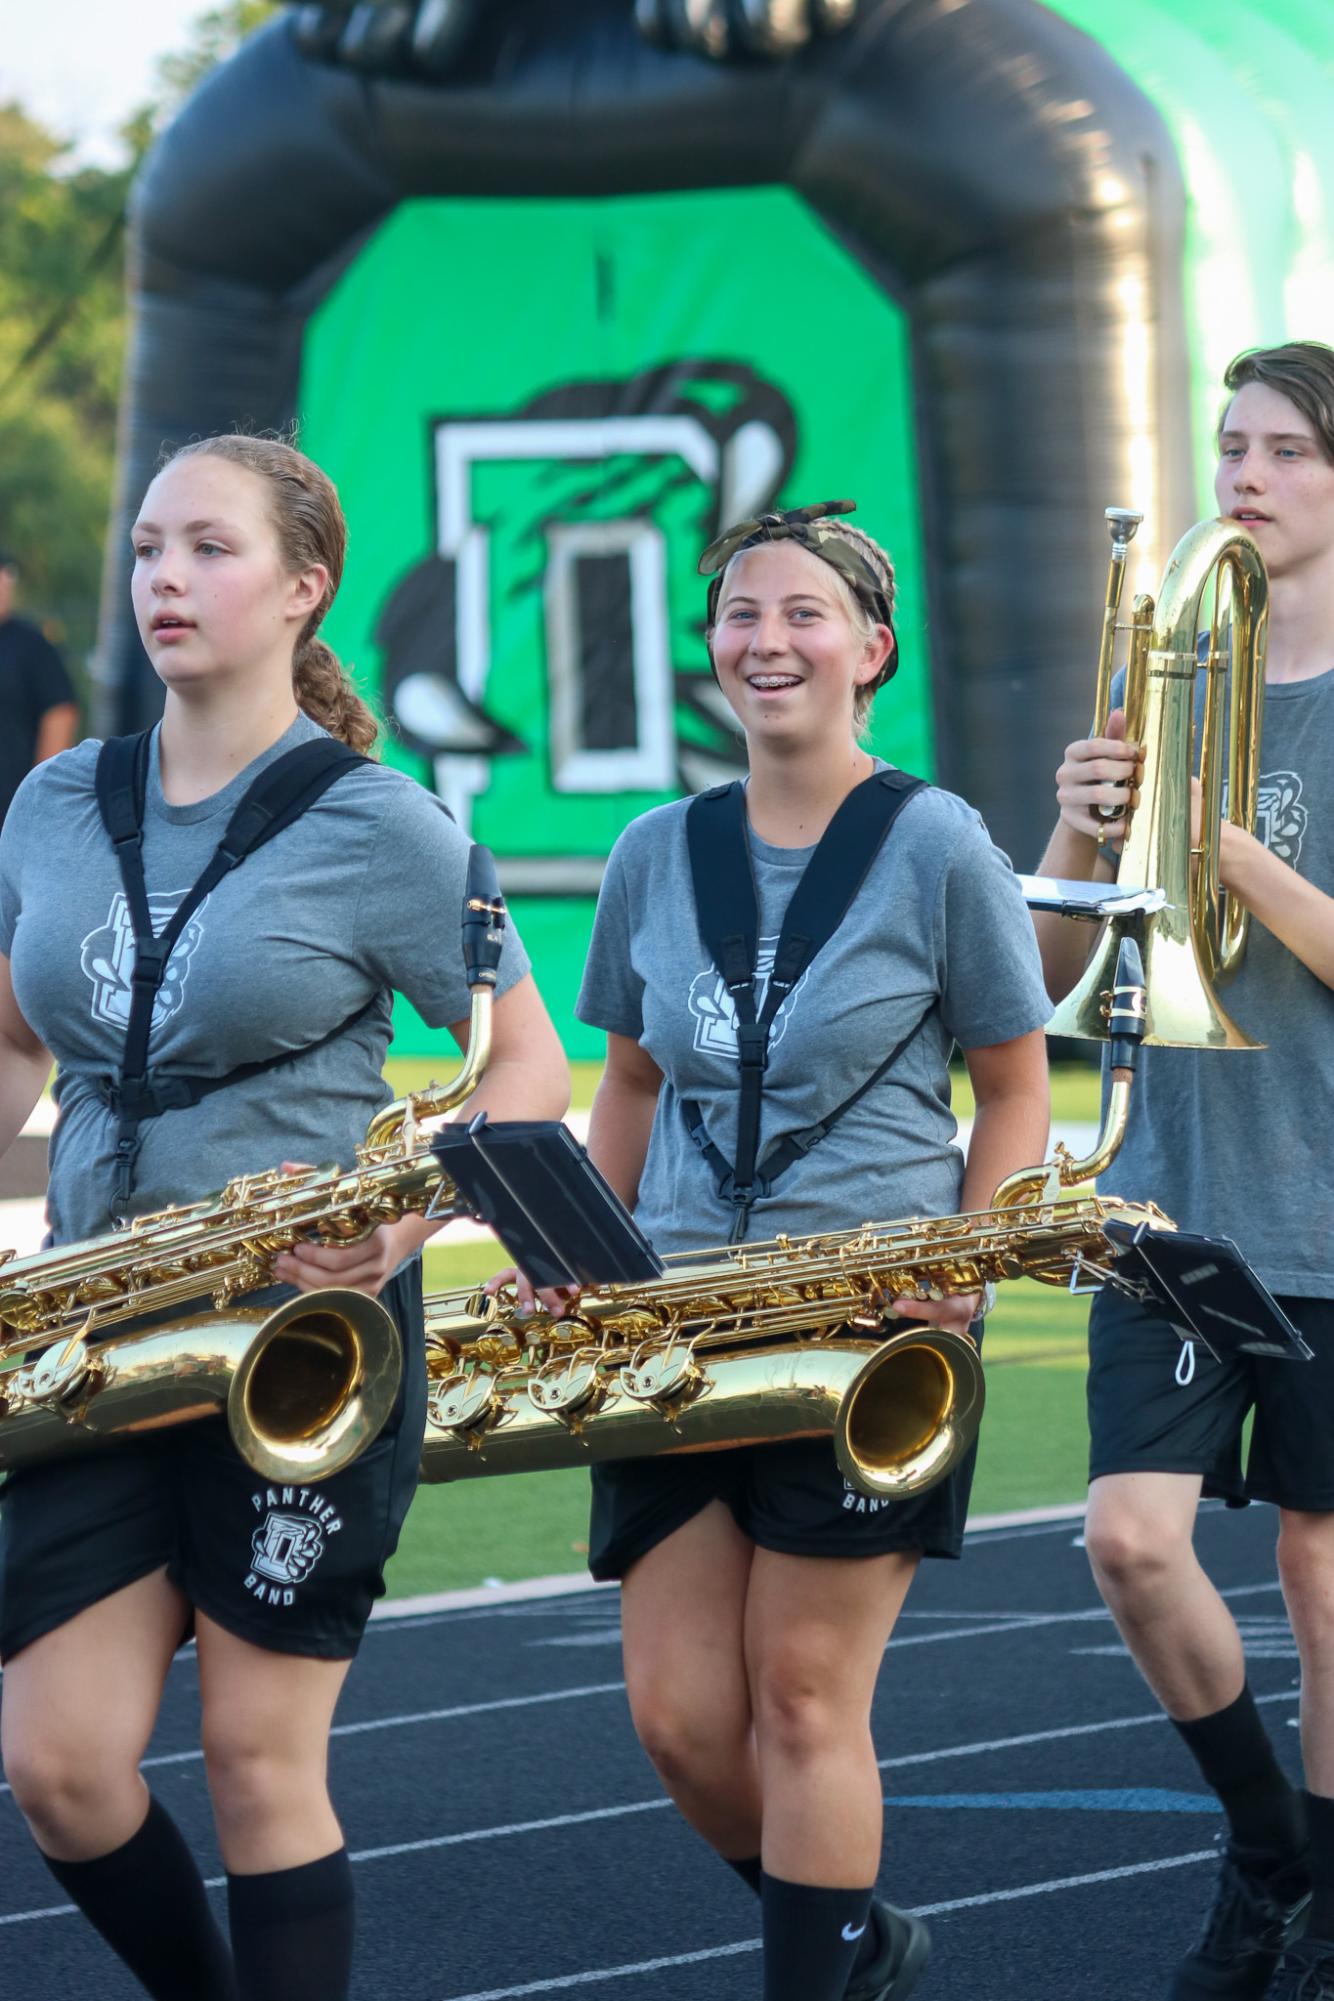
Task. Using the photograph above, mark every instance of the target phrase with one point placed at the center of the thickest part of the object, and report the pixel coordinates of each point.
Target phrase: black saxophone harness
(280, 795)
(727, 910)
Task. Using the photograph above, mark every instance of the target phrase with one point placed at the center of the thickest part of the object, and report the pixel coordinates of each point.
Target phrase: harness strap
(277, 797)
(727, 910)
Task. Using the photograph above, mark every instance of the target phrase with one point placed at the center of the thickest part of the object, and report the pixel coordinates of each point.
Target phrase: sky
(82, 66)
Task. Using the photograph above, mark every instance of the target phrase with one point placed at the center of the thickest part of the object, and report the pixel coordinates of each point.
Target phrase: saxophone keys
(57, 1376)
(664, 1377)
(468, 1405)
(570, 1390)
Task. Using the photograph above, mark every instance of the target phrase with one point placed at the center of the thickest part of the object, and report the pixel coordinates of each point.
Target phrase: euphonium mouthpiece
(1122, 521)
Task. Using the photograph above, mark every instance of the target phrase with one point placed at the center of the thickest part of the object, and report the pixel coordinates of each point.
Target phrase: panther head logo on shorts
(286, 1548)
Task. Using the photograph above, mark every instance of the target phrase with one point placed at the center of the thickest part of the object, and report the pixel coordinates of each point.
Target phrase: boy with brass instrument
(1237, 1144)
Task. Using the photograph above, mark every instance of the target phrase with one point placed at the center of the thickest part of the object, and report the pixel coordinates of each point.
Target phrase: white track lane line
(1024, 1622)
(1057, 1883)
(415, 1716)
(743, 1945)
(1045, 1736)
(945, 1752)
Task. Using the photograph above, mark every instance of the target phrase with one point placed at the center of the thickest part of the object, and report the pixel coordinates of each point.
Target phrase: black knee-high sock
(1320, 1819)
(749, 1869)
(292, 1931)
(811, 1937)
(1232, 1750)
(147, 1899)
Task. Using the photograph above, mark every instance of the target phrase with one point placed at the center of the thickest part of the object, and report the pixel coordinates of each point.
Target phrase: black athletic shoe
(1305, 1973)
(1252, 1921)
(903, 1948)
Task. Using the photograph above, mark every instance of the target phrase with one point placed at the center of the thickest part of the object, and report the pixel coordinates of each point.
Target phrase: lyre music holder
(533, 1184)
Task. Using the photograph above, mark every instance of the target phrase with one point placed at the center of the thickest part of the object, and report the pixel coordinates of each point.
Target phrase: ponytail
(325, 694)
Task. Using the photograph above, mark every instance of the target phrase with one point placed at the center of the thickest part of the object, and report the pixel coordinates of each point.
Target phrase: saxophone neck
(397, 1123)
(483, 938)
(1123, 1012)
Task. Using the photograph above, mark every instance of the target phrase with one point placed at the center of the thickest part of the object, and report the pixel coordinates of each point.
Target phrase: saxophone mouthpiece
(483, 919)
(1126, 1008)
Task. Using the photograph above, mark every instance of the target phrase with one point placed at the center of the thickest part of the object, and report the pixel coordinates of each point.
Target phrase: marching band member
(1238, 1146)
(759, 1591)
(278, 987)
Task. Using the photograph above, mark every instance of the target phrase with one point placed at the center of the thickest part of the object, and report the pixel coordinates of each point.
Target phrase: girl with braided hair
(274, 1008)
(759, 1590)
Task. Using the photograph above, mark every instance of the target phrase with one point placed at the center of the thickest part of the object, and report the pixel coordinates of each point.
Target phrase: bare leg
(1306, 1569)
(79, 1709)
(816, 1632)
(267, 1718)
(682, 1621)
(1184, 1640)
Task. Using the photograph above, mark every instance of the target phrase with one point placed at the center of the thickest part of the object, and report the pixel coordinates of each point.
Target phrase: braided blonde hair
(309, 524)
(859, 618)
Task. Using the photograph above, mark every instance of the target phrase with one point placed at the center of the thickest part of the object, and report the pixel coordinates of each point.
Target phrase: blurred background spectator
(39, 714)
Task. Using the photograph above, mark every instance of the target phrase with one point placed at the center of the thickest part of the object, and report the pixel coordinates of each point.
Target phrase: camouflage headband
(812, 528)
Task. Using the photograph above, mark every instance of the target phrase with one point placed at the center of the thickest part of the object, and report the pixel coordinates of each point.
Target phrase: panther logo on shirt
(1280, 820)
(715, 1013)
(108, 960)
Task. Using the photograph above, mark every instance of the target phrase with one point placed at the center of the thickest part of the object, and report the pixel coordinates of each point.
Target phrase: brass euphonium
(1194, 937)
(751, 1343)
(306, 1386)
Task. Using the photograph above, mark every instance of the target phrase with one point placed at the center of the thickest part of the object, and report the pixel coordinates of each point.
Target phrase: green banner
(536, 413)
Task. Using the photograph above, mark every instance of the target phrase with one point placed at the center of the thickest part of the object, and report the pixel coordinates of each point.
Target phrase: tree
(62, 334)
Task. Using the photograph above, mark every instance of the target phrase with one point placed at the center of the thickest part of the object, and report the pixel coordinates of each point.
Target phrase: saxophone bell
(304, 1387)
(315, 1385)
(911, 1413)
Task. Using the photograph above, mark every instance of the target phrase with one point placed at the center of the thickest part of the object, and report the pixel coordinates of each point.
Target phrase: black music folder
(533, 1184)
(1204, 1287)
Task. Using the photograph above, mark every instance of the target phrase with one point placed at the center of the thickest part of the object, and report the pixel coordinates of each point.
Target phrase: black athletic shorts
(1158, 1404)
(292, 1569)
(790, 1498)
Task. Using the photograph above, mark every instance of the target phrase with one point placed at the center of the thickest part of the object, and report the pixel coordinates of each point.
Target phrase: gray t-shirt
(1238, 1143)
(936, 939)
(363, 893)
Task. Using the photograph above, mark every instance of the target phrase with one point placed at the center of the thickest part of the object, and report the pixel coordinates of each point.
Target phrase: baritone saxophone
(89, 1350)
(754, 1342)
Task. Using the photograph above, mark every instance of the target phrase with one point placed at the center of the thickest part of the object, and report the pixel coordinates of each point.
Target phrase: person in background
(1237, 1146)
(38, 711)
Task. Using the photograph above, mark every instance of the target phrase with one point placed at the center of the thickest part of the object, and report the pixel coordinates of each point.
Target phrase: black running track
(509, 1838)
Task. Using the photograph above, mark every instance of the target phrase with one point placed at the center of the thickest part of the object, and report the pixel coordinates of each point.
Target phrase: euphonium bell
(1194, 940)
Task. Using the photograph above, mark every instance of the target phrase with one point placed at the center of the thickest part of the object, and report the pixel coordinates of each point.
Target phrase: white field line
(23, 1217)
(598, 1974)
